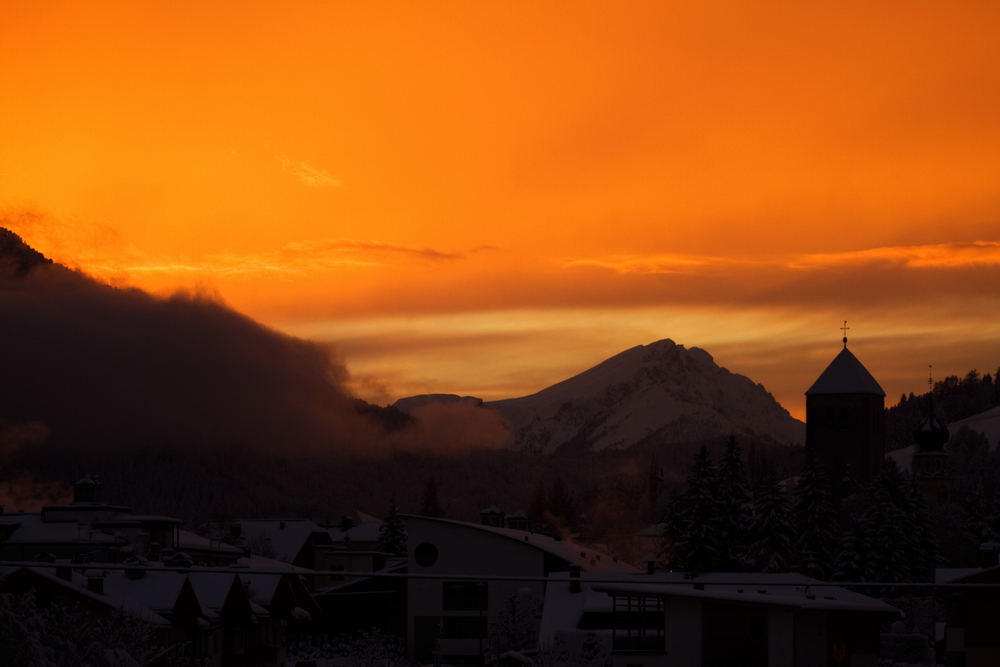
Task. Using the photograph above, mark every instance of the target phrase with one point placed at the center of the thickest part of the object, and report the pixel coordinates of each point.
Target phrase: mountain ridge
(648, 394)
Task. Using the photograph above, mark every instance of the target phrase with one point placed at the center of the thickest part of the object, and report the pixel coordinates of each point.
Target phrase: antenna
(844, 329)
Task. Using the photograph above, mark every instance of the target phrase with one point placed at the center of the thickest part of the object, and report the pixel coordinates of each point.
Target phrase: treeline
(955, 399)
(883, 532)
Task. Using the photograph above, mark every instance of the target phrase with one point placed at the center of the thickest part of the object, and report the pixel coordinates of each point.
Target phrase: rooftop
(845, 375)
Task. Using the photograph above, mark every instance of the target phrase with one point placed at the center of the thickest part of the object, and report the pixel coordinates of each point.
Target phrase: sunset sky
(485, 198)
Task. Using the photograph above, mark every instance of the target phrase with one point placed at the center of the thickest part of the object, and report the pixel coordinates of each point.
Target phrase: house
(220, 616)
(87, 529)
(356, 530)
(448, 611)
(359, 602)
(291, 541)
(663, 620)
(972, 615)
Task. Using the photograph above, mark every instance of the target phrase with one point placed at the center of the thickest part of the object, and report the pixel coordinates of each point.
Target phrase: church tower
(845, 420)
(930, 461)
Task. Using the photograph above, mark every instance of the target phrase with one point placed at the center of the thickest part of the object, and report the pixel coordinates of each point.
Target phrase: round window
(426, 554)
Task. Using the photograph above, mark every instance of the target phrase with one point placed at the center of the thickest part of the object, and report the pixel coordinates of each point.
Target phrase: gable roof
(845, 375)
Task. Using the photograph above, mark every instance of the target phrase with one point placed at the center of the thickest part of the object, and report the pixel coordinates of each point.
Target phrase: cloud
(937, 256)
(308, 174)
(299, 258)
(102, 366)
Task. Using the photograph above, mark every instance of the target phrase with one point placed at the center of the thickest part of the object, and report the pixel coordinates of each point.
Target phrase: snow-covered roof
(845, 375)
(366, 531)
(156, 590)
(287, 536)
(589, 559)
(563, 609)
(32, 530)
(78, 584)
(492, 509)
(187, 540)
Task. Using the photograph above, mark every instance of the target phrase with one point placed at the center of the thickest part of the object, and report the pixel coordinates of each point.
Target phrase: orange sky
(484, 198)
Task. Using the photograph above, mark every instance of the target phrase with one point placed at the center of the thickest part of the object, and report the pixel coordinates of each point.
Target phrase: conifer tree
(735, 514)
(817, 522)
(697, 540)
(392, 532)
(885, 540)
(771, 531)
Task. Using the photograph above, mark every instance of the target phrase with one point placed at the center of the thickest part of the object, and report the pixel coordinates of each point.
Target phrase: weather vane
(844, 329)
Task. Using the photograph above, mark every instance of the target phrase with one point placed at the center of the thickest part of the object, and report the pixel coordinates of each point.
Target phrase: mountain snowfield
(649, 394)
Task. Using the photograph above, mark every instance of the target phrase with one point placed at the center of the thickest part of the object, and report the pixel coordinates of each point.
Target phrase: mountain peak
(660, 392)
(17, 258)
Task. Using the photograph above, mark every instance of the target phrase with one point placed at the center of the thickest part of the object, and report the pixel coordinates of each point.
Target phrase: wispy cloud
(936, 256)
(308, 174)
(941, 256)
(296, 258)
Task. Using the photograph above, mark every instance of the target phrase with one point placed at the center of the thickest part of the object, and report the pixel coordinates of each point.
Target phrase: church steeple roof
(845, 375)
(932, 434)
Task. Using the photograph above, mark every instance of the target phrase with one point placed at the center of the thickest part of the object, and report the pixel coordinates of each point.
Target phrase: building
(845, 420)
(972, 614)
(665, 620)
(449, 611)
(215, 617)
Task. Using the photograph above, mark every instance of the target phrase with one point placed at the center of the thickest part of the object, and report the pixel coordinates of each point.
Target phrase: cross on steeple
(930, 378)
(844, 329)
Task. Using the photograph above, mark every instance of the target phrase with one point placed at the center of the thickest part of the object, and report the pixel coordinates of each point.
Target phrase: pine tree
(735, 519)
(392, 532)
(697, 540)
(886, 543)
(817, 522)
(429, 504)
(771, 531)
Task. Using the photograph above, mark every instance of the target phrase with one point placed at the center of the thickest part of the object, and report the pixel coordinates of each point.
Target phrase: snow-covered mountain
(657, 393)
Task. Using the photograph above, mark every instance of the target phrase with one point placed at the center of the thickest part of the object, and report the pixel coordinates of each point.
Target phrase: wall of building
(464, 550)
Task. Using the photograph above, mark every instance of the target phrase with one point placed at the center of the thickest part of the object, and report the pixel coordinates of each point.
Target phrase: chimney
(989, 554)
(95, 583)
(281, 525)
(346, 523)
(574, 578)
(650, 566)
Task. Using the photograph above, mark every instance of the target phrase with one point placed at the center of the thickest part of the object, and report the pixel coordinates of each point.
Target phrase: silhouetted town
(841, 564)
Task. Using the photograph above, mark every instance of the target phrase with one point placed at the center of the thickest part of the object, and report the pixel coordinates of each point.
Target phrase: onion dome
(932, 434)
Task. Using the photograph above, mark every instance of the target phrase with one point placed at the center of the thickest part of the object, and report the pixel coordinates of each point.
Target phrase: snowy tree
(887, 542)
(694, 519)
(595, 652)
(63, 635)
(817, 521)
(772, 531)
(735, 515)
(375, 648)
(516, 627)
(392, 532)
